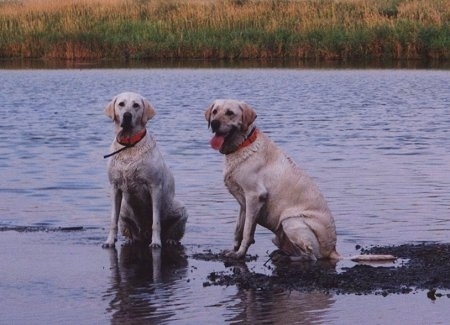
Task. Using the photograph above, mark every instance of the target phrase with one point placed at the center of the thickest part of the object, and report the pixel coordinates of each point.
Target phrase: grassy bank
(225, 29)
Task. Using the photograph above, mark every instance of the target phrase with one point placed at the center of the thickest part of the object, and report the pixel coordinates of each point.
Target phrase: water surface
(376, 142)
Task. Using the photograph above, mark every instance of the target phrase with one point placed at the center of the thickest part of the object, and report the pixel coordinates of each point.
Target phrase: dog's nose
(126, 121)
(127, 116)
(215, 125)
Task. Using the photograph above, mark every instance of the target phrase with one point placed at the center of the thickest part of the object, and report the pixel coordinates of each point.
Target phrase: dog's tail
(373, 258)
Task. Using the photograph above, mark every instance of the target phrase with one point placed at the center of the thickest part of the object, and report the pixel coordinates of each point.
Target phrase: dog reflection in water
(136, 272)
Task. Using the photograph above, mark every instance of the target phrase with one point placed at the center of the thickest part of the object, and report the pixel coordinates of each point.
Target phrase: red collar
(131, 141)
(250, 139)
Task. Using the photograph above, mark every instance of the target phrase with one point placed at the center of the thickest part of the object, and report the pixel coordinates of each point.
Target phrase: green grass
(226, 29)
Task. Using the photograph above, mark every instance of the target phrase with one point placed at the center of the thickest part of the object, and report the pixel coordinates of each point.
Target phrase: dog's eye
(229, 113)
(214, 112)
(121, 104)
(135, 105)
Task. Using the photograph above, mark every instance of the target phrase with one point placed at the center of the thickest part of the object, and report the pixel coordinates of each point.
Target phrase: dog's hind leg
(296, 239)
(176, 224)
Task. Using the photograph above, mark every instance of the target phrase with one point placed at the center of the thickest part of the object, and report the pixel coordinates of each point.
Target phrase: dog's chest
(126, 174)
(232, 184)
(238, 167)
(231, 180)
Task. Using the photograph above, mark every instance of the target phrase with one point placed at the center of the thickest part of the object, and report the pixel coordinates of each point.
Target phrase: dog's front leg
(253, 204)
(239, 230)
(156, 222)
(115, 213)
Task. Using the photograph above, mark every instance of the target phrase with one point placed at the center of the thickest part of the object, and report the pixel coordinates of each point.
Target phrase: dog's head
(130, 112)
(230, 121)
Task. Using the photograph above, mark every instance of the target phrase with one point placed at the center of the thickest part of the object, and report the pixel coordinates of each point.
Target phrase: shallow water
(376, 141)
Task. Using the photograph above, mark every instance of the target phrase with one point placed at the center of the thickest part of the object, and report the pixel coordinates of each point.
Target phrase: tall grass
(225, 29)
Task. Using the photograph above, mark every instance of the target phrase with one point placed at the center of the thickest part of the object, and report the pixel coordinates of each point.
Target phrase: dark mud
(42, 228)
(419, 267)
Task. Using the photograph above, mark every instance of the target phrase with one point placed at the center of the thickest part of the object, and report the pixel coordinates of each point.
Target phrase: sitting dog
(143, 187)
(270, 189)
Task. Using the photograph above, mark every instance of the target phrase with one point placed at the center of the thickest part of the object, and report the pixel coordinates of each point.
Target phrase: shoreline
(23, 64)
(226, 30)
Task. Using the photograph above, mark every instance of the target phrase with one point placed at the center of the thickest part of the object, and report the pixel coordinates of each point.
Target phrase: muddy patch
(419, 267)
(43, 228)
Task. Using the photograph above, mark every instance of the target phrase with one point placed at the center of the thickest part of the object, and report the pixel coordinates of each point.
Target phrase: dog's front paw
(172, 242)
(233, 254)
(155, 244)
(110, 240)
(108, 244)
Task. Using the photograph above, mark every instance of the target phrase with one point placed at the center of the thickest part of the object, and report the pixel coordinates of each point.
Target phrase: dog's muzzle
(126, 121)
(215, 125)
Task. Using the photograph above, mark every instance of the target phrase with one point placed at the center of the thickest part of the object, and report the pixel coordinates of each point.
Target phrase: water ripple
(376, 142)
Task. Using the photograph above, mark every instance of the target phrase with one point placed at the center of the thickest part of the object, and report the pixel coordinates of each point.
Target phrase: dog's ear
(208, 114)
(109, 109)
(149, 111)
(248, 115)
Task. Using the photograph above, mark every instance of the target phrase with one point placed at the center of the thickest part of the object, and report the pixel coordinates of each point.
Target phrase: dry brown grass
(225, 29)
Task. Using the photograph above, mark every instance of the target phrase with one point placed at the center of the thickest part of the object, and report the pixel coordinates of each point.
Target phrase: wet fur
(143, 187)
(271, 190)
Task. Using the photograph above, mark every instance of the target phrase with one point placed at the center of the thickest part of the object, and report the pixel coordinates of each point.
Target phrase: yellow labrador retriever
(143, 187)
(271, 189)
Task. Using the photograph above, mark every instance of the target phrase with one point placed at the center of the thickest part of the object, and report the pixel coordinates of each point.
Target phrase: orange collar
(131, 141)
(250, 139)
